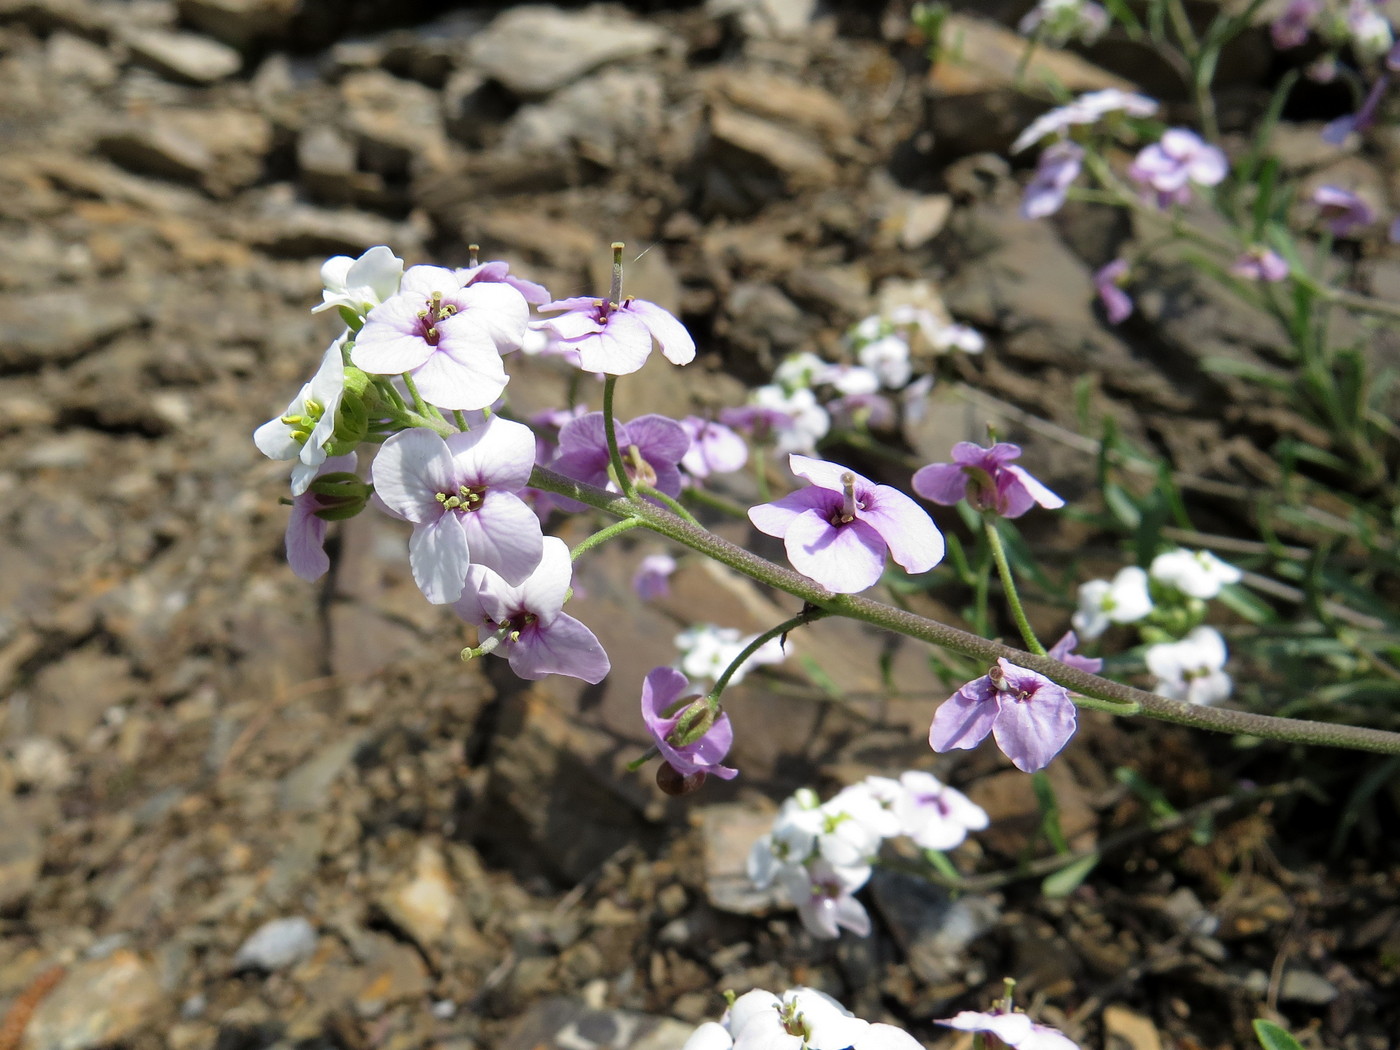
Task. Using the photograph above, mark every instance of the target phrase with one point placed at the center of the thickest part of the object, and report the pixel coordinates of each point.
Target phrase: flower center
(302, 425)
(639, 470)
(435, 312)
(465, 499)
(846, 513)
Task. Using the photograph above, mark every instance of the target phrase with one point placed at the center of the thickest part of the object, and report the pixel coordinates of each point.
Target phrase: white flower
(807, 421)
(303, 431)
(1192, 669)
(1061, 21)
(360, 284)
(888, 359)
(706, 650)
(800, 371)
(1369, 29)
(852, 380)
(958, 337)
(934, 815)
(1199, 574)
(799, 1019)
(1101, 603)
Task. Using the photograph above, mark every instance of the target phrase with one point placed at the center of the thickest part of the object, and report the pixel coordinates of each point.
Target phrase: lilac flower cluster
(820, 853)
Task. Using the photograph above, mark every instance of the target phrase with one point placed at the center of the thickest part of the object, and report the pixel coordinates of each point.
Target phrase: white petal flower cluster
(1198, 574)
(1192, 669)
(820, 853)
(706, 650)
(1103, 603)
(799, 1019)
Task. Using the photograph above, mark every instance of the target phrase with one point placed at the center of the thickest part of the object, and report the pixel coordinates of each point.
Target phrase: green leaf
(1065, 881)
(1272, 1037)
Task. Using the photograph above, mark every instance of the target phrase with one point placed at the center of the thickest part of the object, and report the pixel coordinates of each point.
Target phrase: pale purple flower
(651, 446)
(360, 284)
(1108, 283)
(448, 337)
(1060, 21)
(306, 528)
(860, 411)
(1369, 29)
(1016, 1030)
(987, 479)
(665, 707)
(824, 900)
(616, 338)
(714, 448)
(1063, 650)
(1335, 132)
(1291, 28)
(1059, 166)
(792, 421)
(652, 579)
(934, 815)
(460, 493)
(307, 427)
(1343, 211)
(546, 425)
(1086, 109)
(1030, 717)
(526, 623)
(839, 529)
(1170, 166)
(1260, 264)
(498, 271)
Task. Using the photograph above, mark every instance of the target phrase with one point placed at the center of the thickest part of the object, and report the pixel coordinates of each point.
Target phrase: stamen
(848, 499)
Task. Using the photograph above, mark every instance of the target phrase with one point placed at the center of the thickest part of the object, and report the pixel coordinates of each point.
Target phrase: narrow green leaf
(1065, 881)
(1272, 1037)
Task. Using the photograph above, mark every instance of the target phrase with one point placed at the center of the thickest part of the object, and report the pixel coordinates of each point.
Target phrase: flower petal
(438, 555)
(503, 534)
(914, 540)
(845, 559)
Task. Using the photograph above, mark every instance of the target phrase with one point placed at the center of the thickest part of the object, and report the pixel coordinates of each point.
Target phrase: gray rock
(308, 786)
(42, 328)
(277, 945)
(570, 1023)
(183, 56)
(933, 929)
(801, 162)
(220, 150)
(612, 117)
(240, 22)
(21, 855)
(728, 832)
(397, 123)
(766, 18)
(71, 57)
(534, 50)
(99, 1003)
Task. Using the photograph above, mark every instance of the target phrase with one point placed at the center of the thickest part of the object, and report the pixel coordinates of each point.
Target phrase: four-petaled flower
(651, 447)
(1030, 717)
(987, 479)
(839, 529)
(1199, 574)
(1343, 211)
(1016, 1030)
(360, 284)
(527, 623)
(303, 431)
(1169, 167)
(1108, 282)
(1260, 264)
(1191, 669)
(616, 338)
(461, 495)
(448, 336)
(691, 737)
(1058, 167)
(1126, 599)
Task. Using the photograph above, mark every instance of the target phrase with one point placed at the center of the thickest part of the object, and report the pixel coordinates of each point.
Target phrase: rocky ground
(194, 744)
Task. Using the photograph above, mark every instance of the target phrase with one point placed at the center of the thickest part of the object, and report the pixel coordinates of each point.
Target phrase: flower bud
(673, 783)
(339, 495)
(694, 721)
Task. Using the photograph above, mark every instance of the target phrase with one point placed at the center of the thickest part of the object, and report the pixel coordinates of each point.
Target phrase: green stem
(809, 614)
(716, 502)
(419, 405)
(459, 417)
(624, 481)
(602, 536)
(1008, 584)
(1224, 720)
(673, 505)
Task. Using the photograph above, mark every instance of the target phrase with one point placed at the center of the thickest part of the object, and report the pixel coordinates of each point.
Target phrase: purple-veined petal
(412, 467)
(846, 560)
(306, 537)
(676, 344)
(543, 593)
(500, 453)
(453, 382)
(438, 555)
(480, 601)
(942, 483)
(563, 646)
(1032, 732)
(421, 281)
(391, 341)
(913, 539)
(1031, 491)
(777, 517)
(965, 718)
(620, 349)
(503, 534)
(658, 437)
